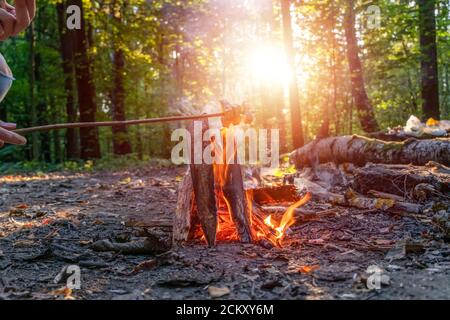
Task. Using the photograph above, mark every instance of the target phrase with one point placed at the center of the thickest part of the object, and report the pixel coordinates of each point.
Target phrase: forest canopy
(313, 67)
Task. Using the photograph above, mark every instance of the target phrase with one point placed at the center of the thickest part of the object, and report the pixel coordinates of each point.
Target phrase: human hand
(15, 19)
(6, 135)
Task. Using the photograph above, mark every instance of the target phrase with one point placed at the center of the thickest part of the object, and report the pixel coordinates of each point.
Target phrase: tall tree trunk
(32, 86)
(121, 145)
(90, 148)
(429, 66)
(296, 117)
(66, 49)
(278, 90)
(365, 109)
(120, 138)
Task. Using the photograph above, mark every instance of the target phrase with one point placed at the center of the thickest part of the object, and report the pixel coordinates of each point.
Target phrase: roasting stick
(116, 123)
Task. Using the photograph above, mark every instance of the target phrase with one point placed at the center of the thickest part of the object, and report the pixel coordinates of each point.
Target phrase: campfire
(214, 206)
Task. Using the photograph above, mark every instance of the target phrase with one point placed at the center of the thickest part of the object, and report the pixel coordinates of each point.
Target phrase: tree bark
(365, 109)
(294, 100)
(429, 65)
(360, 150)
(66, 50)
(121, 144)
(90, 148)
(400, 180)
(185, 214)
(203, 184)
(236, 199)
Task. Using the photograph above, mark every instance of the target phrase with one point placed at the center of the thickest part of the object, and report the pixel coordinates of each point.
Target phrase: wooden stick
(115, 123)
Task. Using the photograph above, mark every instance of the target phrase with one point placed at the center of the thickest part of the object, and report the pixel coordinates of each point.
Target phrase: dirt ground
(48, 222)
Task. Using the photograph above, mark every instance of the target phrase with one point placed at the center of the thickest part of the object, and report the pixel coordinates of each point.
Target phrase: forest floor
(49, 221)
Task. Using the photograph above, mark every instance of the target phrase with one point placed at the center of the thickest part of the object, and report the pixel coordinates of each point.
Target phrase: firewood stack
(199, 195)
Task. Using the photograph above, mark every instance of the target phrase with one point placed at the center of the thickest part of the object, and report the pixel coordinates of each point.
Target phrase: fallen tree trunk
(361, 150)
(402, 180)
(400, 136)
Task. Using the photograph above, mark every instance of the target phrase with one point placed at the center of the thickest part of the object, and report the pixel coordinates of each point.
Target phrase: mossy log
(361, 150)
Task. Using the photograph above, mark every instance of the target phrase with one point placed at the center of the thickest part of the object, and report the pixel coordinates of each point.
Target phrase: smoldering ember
(257, 150)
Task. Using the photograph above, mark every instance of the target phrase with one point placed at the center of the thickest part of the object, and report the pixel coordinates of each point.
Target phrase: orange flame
(288, 218)
(268, 228)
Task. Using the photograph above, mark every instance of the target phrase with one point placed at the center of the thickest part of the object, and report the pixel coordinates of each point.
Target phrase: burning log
(302, 215)
(186, 212)
(273, 195)
(215, 197)
(236, 199)
(361, 150)
(203, 185)
(199, 200)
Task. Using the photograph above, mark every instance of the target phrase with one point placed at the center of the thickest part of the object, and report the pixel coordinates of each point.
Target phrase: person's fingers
(22, 16)
(10, 9)
(11, 137)
(7, 125)
(2, 31)
(5, 5)
(7, 21)
(31, 4)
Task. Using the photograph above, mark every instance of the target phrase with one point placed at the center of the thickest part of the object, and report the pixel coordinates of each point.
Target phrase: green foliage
(198, 50)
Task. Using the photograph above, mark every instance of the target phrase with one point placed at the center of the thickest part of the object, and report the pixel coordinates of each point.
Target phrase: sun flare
(268, 63)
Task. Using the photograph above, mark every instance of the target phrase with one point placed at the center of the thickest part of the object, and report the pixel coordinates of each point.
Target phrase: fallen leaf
(64, 291)
(47, 221)
(145, 265)
(125, 181)
(22, 206)
(216, 292)
(432, 122)
(384, 204)
(98, 222)
(308, 269)
(85, 242)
